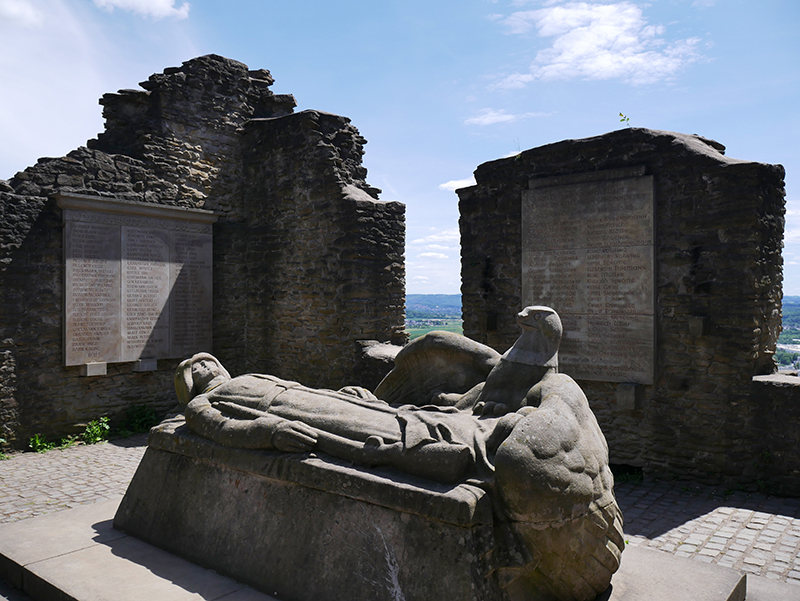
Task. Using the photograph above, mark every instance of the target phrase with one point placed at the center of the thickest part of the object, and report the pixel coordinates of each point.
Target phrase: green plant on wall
(624, 119)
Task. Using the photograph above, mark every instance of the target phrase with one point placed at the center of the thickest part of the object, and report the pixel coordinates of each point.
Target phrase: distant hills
(432, 306)
(791, 312)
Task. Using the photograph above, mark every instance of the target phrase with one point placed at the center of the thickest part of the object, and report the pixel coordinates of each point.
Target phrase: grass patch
(416, 329)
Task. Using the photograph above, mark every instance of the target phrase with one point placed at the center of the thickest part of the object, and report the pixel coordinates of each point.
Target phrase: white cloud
(452, 236)
(598, 41)
(155, 9)
(491, 116)
(433, 264)
(791, 232)
(20, 12)
(68, 46)
(455, 184)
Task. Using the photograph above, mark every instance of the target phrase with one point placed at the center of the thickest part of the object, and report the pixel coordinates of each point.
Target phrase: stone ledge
(300, 527)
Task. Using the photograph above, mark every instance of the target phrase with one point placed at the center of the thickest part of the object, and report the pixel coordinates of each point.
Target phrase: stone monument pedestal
(303, 527)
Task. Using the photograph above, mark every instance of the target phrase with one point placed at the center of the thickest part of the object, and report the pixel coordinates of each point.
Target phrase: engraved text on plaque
(138, 281)
(588, 244)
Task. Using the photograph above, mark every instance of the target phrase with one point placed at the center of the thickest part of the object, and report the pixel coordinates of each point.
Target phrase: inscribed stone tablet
(190, 300)
(588, 252)
(92, 324)
(138, 280)
(145, 292)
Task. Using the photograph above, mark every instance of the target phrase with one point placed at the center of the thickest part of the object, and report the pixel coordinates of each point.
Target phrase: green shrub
(96, 431)
(69, 441)
(40, 444)
(140, 419)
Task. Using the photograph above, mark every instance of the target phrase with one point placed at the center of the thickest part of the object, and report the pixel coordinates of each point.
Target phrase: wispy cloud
(434, 255)
(71, 42)
(455, 184)
(791, 232)
(598, 41)
(20, 12)
(155, 9)
(449, 237)
(490, 117)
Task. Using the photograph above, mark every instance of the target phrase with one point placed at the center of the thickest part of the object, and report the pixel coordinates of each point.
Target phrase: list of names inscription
(588, 252)
(138, 281)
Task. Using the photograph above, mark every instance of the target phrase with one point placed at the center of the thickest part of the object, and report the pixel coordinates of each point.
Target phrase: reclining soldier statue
(450, 410)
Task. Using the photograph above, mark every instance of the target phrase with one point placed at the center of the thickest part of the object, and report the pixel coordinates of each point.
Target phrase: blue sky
(436, 87)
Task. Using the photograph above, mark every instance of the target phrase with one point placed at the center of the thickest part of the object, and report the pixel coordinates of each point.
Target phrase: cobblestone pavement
(754, 533)
(33, 484)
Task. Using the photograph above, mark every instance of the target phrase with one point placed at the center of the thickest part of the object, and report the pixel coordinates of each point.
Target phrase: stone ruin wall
(719, 229)
(307, 261)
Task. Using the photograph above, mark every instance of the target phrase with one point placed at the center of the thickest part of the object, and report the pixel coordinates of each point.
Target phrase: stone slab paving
(754, 533)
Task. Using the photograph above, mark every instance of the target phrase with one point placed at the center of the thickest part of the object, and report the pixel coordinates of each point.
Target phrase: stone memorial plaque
(190, 301)
(588, 252)
(145, 293)
(92, 253)
(138, 281)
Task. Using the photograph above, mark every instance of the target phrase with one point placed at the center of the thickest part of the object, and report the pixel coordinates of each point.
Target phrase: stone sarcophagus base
(302, 527)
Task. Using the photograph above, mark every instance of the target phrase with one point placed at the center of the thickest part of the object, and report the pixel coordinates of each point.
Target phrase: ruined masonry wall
(303, 232)
(719, 229)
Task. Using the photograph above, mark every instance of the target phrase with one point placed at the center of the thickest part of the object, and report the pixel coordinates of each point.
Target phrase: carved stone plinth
(302, 527)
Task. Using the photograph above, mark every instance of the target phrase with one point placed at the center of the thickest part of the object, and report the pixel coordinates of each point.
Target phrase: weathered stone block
(304, 527)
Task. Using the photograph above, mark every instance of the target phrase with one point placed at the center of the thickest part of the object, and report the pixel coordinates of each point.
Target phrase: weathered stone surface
(719, 226)
(596, 270)
(438, 362)
(526, 435)
(306, 259)
(310, 528)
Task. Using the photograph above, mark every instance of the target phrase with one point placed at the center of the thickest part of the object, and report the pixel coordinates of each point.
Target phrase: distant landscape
(788, 353)
(427, 312)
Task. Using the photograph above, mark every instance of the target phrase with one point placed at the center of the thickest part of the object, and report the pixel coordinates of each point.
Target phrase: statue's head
(194, 375)
(540, 339)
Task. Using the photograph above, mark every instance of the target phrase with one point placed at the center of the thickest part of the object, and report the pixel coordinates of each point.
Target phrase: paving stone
(714, 546)
(752, 569)
(657, 515)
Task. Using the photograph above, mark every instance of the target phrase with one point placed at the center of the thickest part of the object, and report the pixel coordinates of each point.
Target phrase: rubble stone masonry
(307, 261)
(718, 275)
